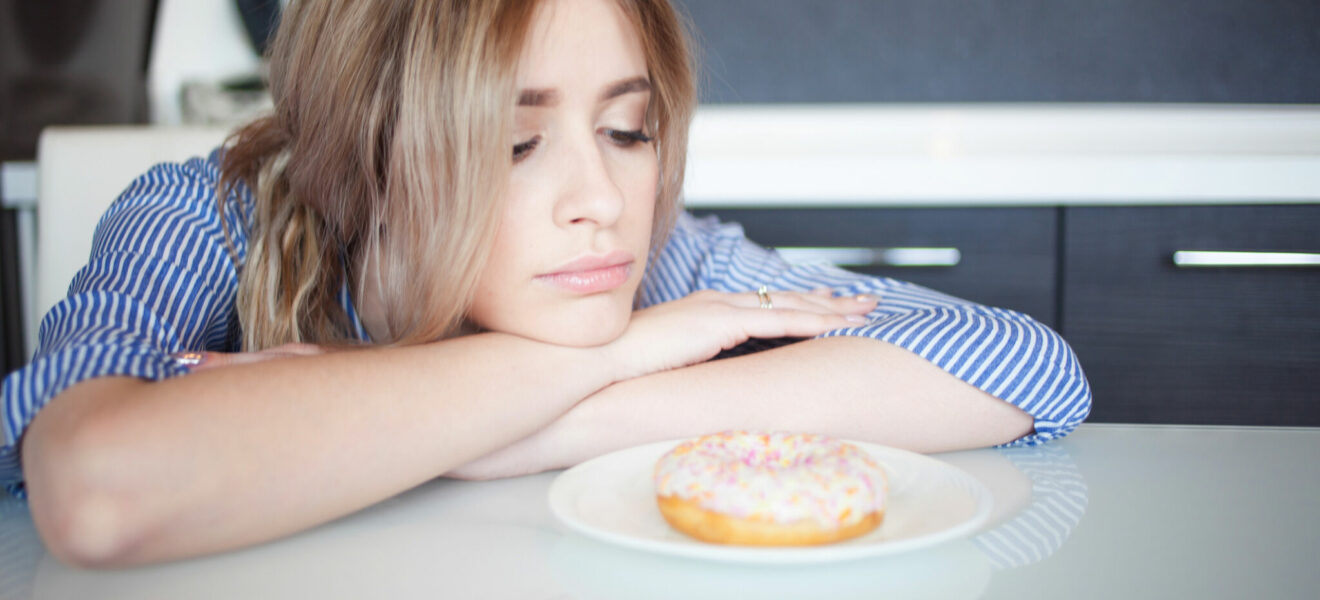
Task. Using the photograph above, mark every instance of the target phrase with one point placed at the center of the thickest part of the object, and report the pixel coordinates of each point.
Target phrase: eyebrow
(627, 86)
(550, 97)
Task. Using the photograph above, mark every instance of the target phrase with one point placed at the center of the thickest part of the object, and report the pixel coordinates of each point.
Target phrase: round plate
(612, 498)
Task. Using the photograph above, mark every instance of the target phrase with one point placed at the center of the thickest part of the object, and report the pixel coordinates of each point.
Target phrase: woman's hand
(696, 328)
(201, 361)
(668, 336)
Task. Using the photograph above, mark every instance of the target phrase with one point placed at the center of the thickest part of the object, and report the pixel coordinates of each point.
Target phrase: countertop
(1003, 155)
(1112, 511)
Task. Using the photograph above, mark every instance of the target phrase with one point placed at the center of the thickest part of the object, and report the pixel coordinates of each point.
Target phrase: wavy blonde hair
(388, 146)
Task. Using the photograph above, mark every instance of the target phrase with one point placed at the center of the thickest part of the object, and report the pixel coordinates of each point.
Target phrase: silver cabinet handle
(872, 257)
(1202, 258)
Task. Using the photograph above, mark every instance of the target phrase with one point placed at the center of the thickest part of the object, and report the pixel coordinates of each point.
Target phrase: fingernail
(189, 359)
(857, 319)
(867, 298)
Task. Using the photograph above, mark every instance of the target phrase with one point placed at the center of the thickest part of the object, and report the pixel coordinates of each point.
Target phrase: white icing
(782, 477)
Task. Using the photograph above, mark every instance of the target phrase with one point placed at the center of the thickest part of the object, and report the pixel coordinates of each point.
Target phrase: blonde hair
(389, 147)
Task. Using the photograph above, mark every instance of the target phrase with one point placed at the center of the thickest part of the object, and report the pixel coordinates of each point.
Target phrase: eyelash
(619, 137)
(520, 151)
(628, 138)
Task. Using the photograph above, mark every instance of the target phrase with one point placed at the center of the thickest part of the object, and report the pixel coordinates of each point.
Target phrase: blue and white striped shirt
(160, 280)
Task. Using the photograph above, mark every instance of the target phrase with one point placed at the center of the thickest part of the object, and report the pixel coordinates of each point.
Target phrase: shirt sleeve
(1005, 353)
(160, 279)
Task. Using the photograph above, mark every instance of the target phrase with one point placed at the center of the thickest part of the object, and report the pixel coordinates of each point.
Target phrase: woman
(413, 298)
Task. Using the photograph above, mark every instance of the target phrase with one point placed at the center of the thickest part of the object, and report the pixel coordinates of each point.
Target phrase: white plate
(612, 498)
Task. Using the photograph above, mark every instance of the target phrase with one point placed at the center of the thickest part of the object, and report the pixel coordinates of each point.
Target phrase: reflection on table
(1057, 501)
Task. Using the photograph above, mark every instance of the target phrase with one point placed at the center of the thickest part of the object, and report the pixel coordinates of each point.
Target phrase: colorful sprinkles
(779, 476)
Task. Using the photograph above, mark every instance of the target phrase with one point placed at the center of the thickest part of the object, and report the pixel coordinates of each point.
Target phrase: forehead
(575, 43)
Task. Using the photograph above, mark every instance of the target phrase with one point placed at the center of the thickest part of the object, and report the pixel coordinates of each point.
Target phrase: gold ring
(764, 295)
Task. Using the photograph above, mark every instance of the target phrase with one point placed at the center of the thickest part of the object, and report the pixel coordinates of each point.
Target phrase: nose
(590, 195)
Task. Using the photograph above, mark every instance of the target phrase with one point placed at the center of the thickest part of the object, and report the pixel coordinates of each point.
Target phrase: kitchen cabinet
(1159, 342)
(1194, 344)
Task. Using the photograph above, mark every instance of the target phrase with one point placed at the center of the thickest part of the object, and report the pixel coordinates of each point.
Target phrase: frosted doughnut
(770, 489)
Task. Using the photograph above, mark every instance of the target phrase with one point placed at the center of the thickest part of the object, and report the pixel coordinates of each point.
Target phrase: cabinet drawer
(1006, 256)
(1194, 344)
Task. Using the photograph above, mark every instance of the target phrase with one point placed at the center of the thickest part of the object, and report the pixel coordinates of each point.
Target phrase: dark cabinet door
(1195, 344)
(1005, 256)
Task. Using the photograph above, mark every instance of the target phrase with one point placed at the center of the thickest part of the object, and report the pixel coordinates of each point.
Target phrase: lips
(591, 274)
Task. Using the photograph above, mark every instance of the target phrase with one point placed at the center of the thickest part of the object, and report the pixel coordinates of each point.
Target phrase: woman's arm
(121, 471)
(847, 387)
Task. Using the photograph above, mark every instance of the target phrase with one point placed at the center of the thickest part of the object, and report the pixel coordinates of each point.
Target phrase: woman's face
(573, 240)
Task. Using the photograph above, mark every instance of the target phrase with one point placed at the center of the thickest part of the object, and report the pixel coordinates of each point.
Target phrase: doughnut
(770, 489)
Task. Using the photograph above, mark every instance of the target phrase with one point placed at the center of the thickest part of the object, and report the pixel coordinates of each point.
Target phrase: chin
(582, 332)
(574, 321)
(581, 326)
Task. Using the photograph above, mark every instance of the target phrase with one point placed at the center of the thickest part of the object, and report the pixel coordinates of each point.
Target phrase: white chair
(80, 171)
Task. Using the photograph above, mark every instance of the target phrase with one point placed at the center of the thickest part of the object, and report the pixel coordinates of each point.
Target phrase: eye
(520, 151)
(627, 138)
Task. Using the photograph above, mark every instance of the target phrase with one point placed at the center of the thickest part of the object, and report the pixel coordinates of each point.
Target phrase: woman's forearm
(122, 471)
(848, 387)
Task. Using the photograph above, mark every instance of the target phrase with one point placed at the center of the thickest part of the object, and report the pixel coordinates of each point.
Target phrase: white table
(1113, 511)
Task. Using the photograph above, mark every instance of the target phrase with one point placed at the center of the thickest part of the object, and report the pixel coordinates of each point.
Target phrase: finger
(808, 301)
(201, 361)
(215, 360)
(858, 304)
(296, 349)
(796, 323)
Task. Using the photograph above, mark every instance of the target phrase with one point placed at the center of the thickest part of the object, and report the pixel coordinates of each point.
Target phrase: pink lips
(591, 274)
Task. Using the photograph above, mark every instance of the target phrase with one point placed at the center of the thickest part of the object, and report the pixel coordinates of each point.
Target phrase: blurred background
(197, 62)
(1009, 50)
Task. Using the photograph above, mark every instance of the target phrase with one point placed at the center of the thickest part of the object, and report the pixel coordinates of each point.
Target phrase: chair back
(80, 171)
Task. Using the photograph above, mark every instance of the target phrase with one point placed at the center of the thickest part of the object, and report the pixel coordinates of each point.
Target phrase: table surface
(1113, 511)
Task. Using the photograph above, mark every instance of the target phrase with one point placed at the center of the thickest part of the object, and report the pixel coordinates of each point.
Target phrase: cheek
(497, 279)
(641, 186)
(650, 178)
